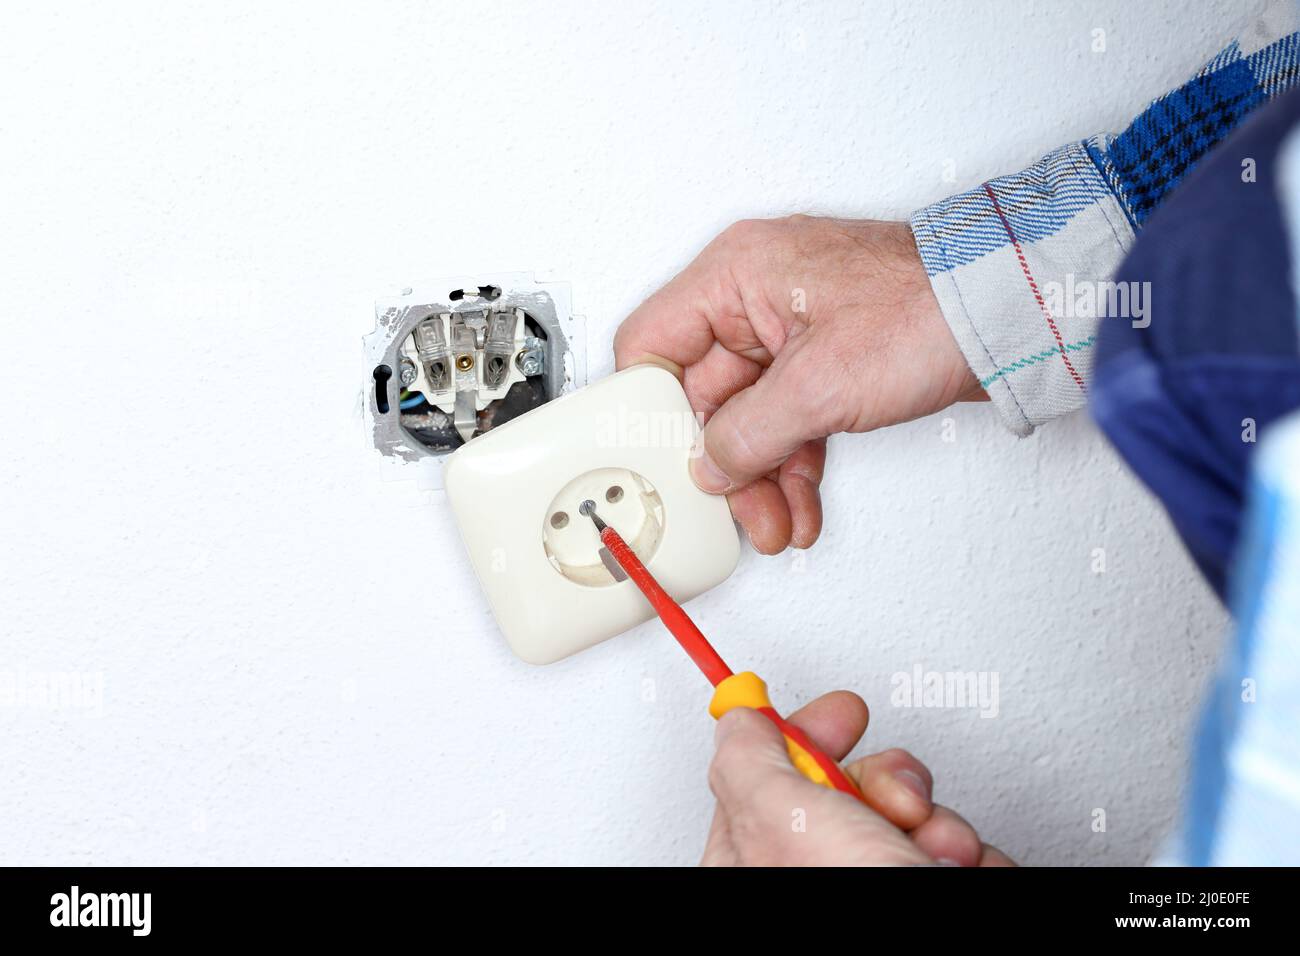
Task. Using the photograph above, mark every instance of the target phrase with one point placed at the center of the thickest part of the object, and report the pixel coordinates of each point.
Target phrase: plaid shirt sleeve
(1021, 264)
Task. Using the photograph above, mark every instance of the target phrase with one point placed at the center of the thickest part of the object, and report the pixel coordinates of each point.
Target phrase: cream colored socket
(548, 589)
(623, 499)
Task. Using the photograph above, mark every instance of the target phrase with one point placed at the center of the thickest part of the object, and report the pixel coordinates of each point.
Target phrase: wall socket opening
(456, 358)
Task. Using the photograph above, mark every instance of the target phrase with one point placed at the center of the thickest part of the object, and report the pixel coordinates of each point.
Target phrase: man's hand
(786, 331)
(769, 815)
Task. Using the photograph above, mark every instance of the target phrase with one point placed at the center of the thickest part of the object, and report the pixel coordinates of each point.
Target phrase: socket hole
(614, 494)
(382, 374)
(559, 520)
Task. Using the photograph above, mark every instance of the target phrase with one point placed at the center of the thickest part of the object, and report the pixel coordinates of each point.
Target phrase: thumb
(750, 753)
(757, 429)
(759, 793)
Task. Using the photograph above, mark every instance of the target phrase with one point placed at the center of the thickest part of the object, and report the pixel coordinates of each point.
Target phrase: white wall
(199, 208)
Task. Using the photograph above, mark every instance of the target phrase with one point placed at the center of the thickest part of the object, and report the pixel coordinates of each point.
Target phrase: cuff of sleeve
(1021, 267)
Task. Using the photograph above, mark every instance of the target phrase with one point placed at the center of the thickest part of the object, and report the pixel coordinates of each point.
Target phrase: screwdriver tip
(588, 508)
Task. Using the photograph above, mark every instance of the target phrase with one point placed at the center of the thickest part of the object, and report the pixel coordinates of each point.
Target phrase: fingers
(758, 790)
(717, 376)
(835, 722)
(774, 816)
(800, 479)
(700, 328)
(751, 752)
(896, 785)
(757, 429)
(682, 320)
(762, 510)
(992, 856)
(751, 755)
(787, 510)
(668, 329)
(949, 839)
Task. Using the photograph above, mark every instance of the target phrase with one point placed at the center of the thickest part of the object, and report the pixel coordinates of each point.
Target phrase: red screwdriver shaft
(678, 622)
(699, 650)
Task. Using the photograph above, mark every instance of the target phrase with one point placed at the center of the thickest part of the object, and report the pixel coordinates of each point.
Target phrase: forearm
(1021, 264)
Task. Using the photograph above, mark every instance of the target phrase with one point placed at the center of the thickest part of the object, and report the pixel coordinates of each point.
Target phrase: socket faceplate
(506, 486)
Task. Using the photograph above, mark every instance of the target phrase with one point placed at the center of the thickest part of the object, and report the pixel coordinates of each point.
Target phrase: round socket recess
(625, 500)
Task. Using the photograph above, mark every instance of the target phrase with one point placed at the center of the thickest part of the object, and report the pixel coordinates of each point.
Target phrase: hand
(783, 332)
(769, 815)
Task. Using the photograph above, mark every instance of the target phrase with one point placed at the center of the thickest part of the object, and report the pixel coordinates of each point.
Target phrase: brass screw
(464, 362)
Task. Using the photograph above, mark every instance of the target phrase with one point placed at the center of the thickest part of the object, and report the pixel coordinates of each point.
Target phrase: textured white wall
(198, 209)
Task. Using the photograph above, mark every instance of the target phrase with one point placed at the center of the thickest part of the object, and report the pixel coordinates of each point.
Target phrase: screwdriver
(745, 689)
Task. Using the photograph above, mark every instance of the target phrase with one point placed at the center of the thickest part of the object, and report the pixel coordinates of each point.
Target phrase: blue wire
(412, 401)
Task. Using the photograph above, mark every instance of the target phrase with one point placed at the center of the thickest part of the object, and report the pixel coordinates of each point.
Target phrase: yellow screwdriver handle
(748, 690)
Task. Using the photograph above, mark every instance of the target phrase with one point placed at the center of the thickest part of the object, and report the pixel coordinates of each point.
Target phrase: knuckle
(799, 220)
(801, 470)
(897, 755)
(746, 233)
(620, 339)
(897, 758)
(807, 466)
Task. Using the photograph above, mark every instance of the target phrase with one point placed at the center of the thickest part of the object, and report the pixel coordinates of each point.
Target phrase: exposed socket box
(623, 442)
(451, 359)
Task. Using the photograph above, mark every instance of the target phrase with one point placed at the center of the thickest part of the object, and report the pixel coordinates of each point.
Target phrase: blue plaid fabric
(1036, 202)
(999, 255)
(1164, 143)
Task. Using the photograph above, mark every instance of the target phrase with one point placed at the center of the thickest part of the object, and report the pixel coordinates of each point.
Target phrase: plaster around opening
(625, 500)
